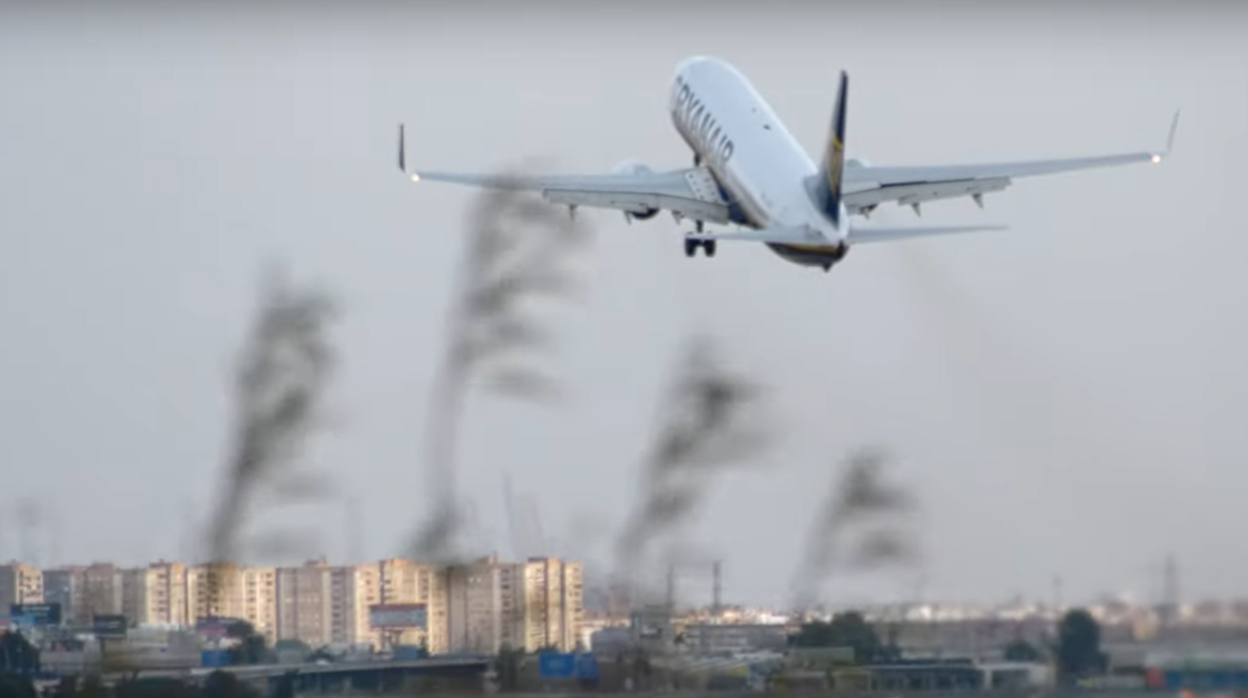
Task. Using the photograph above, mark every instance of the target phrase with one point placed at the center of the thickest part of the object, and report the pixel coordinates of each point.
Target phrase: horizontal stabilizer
(791, 236)
(864, 234)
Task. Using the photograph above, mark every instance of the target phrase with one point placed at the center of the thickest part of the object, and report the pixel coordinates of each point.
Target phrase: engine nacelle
(630, 167)
(635, 167)
(857, 162)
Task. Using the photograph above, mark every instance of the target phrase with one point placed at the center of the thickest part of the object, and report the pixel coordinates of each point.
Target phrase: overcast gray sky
(1068, 396)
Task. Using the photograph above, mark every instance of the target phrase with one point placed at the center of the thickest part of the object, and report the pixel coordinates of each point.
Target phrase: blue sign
(32, 614)
(214, 658)
(587, 667)
(556, 665)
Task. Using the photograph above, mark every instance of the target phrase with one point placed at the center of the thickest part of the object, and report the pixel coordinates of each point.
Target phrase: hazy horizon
(1066, 397)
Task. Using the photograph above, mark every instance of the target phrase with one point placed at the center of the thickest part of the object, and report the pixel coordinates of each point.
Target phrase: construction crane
(524, 524)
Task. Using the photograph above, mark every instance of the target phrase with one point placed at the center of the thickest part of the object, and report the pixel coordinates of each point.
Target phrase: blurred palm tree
(519, 249)
(859, 527)
(284, 369)
(712, 421)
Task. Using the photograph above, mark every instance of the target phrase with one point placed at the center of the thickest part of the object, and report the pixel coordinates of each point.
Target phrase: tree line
(1075, 652)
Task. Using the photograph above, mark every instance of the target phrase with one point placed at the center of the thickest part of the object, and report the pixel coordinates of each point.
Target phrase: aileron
(911, 185)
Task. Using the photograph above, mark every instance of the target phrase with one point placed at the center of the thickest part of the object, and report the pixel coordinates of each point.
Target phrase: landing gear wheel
(709, 245)
(691, 247)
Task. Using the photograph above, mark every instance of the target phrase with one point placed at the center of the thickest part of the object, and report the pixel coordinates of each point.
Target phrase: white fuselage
(761, 167)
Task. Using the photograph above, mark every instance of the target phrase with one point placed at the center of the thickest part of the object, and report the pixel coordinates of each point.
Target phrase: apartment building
(408, 582)
(101, 591)
(305, 603)
(573, 604)
(19, 583)
(260, 600)
(157, 595)
(531, 605)
(553, 605)
(65, 586)
(353, 588)
(171, 602)
(215, 590)
(478, 609)
(230, 590)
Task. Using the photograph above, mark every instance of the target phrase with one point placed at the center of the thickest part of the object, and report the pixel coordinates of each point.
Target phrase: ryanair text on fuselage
(699, 122)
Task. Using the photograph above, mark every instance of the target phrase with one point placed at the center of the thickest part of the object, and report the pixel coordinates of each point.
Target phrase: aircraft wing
(865, 234)
(692, 193)
(867, 186)
(858, 234)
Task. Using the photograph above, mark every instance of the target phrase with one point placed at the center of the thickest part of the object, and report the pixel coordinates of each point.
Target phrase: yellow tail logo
(833, 164)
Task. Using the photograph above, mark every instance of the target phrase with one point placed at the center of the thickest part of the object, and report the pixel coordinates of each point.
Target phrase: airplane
(748, 170)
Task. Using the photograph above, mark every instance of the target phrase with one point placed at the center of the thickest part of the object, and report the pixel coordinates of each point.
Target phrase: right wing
(867, 186)
(691, 193)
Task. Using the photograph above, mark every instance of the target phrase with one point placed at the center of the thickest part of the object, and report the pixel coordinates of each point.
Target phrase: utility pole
(717, 591)
(1170, 592)
(671, 590)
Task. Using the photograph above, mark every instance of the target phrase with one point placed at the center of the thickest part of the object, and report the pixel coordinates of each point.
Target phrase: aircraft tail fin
(827, 186)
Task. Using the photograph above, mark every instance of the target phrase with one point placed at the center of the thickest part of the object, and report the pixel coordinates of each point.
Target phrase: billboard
(109, 625)
(397, 615)
(35, 614)
(587, 667)
(214, 626)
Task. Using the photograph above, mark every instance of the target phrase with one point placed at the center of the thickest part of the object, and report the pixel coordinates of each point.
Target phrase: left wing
(867, 186)
(691, 193)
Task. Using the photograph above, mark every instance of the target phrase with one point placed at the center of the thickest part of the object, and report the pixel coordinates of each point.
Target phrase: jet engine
(635, 167)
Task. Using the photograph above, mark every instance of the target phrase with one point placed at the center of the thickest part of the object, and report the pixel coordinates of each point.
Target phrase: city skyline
(479, 605)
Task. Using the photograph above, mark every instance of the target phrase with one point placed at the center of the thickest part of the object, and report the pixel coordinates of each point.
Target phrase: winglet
(403, 156)
(1174, 126)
